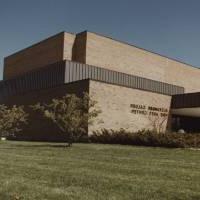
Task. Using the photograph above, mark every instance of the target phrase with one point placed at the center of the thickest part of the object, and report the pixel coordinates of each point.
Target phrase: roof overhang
(187, 104)
(190, 112)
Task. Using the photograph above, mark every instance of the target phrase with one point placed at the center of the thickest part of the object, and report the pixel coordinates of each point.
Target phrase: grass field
(42, 171)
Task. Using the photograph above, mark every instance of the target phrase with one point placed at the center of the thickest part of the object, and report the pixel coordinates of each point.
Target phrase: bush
(146, 138)
(71, 114)
(12, 120)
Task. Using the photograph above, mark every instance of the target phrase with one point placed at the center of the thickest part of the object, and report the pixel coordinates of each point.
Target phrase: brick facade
(108, 81)
(46, 52)
(108, 53)
(115, 104)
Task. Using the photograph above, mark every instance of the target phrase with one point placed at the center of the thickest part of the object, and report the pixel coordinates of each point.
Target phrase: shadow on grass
(31, 144)
(47, 145)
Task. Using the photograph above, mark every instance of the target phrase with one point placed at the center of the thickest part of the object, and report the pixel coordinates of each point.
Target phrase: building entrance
(186, 123)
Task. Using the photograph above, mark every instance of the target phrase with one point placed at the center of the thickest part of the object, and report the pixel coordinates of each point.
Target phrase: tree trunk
(70, 139)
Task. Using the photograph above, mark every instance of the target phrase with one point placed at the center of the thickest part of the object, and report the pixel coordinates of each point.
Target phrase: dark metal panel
(67, 74)
(186, 100)
(76, 72)
(70, 73)
(103, 75)
(83, 71)
(98, 73)
(62, 72)
(86, 72)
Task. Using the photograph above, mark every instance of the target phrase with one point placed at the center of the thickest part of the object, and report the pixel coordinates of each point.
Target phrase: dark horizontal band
(188, 100)
(67, 72)
(78, 71)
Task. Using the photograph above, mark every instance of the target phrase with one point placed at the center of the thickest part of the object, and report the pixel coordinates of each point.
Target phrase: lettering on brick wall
(148, 110)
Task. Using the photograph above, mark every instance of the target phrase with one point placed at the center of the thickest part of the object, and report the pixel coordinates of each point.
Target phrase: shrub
(11, 120)
(146, 138)
(71, 114)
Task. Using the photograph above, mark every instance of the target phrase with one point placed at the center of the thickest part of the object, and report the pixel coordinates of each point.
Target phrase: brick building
(133, 86)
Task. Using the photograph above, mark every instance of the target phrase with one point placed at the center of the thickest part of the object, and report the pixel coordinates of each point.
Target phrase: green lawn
(39, 171)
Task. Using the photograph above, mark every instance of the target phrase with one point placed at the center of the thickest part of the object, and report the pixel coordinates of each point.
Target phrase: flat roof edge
(150, 51)
(37, 43)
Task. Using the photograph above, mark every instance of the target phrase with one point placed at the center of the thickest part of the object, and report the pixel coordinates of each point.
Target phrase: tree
(71, 114)
(11, 120)
(158, 122)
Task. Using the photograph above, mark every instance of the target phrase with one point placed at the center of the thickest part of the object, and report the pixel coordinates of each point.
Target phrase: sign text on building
(149, 110)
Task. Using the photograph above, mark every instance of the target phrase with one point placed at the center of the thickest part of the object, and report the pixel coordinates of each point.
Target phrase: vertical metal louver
(84, 71)
(67, 72)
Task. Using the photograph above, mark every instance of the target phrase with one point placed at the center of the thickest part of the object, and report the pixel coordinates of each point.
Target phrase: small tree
(71, 114)
(11, 120)
(158, 122)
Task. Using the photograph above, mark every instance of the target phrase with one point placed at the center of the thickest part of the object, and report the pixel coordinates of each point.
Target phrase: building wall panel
(114, 102)
(111, 54)
(78, 71)
(39, 128)
(45, 77)
(54, 49)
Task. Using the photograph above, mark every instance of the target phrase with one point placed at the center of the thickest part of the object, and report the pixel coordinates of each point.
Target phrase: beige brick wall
(111, 54)
(79, 48)
(41, 54)
(68, 46)
(104, 52)
(115, 101)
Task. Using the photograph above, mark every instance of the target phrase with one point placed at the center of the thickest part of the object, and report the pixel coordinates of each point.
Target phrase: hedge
(146, 138)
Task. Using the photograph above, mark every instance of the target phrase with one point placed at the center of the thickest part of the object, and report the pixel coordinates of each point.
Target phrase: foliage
(158, 122)
(11, 120)
(71, 114)
(146, 138)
